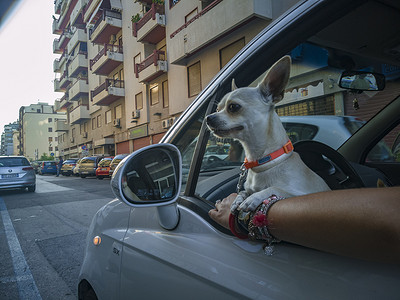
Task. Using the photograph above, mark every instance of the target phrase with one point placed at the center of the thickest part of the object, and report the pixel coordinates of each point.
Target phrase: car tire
(32, 188)
(100, 177)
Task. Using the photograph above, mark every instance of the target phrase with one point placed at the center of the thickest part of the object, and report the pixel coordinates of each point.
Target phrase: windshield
(14, 162)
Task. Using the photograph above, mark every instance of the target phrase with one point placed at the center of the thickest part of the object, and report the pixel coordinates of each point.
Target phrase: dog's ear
(273, 85)
(234, 87)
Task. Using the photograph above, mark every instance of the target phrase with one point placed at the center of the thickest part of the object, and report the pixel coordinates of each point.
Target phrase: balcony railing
(79, 88)
(151, 59)
(103, 52)
(201, 13)
(105, 15)
(107, 92)
(150, 15)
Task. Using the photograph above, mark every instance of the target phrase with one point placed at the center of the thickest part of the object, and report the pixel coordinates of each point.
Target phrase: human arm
(361, 223)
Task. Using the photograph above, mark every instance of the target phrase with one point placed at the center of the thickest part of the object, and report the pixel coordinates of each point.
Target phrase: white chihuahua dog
(248, 115)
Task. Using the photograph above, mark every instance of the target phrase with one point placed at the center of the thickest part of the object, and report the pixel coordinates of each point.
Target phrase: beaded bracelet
(256, 224)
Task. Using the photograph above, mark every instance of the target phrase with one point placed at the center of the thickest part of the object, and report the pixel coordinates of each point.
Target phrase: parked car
(158, 233)
(88, 166)
(103, 170)
(48, 167)
(116, 160)
(68, 166)
(75, 170)
(16, 172)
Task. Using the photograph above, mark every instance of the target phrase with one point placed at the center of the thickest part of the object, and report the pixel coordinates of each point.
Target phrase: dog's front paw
(235, 204)
(251, 203)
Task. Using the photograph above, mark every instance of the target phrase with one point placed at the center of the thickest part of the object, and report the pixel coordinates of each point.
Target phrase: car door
(199, 258)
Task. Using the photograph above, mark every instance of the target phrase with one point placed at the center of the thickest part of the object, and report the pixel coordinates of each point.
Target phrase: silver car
(157, 241)
(16, 172)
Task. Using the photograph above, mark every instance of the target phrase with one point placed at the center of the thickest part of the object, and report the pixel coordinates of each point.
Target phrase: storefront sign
(138, 132)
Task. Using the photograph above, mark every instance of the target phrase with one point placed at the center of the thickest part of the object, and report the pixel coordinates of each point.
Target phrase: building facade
(37, 130)
(7, 142)
(128, 68)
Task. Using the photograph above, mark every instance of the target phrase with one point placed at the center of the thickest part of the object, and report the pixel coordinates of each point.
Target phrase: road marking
(26, 284)
(44, 186)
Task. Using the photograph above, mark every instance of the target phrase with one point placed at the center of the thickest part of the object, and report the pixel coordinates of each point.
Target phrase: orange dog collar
(287, 148)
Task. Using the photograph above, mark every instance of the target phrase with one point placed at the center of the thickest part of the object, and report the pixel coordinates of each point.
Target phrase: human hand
(222, 210)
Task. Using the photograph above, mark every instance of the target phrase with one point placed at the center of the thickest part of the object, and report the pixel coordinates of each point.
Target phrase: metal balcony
(109, 22)
(212, 23)
(151, 27)
(79, 114)
(110, 57)
(76, 15)
(78, 35)
(108, 92)
(65, 80)
(153, 66)
(79, 89)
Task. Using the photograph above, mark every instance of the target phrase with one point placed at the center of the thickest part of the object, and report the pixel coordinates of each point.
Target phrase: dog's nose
(210, 119)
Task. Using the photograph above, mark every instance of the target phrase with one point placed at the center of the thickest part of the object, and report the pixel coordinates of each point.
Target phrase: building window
(172, 3)
(50, 139)
(118, 112)
(108, 116)
(226, 53)
(50, 148)
(139, 101)
(98, 120)
(165, 93)
(50, 129)
(50, 120)
(137, 60)
(154, 94)
(56, 148)
(94, 123)
(73, 132)
(56, 139)
(194, 79)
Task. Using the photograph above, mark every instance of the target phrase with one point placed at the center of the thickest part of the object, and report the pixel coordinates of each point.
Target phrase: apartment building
(128, 68)
(7, 143)
(37, 130)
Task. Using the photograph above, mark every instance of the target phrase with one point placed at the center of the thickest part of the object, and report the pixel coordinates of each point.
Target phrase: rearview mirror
(362, 81)
(150, 176)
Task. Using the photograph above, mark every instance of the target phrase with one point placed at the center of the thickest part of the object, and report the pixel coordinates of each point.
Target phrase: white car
(156, 240)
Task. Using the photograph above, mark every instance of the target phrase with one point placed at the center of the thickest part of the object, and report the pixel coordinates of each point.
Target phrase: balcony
(78, 89)
(60, 43)
(109, 22)
(78, 64)
(59, 63)
(110, 57)
(64, 102)
(57, 6)
(151, 27)
(212, 23)
(152, 67)
(56, 27)
(108, 92)
(79, 114)
(61, 125)
(65, 80)
(76, 14)
(78, 36)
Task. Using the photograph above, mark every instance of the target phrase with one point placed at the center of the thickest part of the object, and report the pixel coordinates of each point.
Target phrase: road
(42, 236)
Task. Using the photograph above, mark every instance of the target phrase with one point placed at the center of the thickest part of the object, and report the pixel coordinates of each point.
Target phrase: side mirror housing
(151, 176)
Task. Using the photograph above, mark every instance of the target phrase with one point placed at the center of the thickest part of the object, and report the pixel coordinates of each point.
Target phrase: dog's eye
(234, 107)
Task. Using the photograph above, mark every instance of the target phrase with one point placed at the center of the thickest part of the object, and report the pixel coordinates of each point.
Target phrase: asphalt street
(42, 236)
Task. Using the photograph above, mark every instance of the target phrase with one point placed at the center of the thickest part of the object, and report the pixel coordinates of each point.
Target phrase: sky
(26, 59)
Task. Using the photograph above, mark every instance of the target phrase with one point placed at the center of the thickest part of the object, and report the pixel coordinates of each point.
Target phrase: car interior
(321, 64)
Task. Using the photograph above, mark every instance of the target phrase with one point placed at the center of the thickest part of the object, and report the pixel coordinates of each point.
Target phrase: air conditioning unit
(117, 123)
(72, 140)
(85, 134)
(136, 114)
(167, 123)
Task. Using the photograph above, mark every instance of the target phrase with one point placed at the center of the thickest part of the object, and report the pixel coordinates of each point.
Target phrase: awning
(93, 14)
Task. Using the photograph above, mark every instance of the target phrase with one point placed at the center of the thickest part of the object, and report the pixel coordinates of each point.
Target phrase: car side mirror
(151, 176)
(362, 81)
